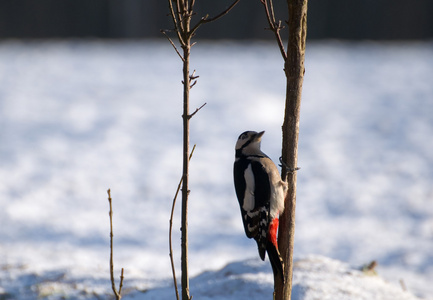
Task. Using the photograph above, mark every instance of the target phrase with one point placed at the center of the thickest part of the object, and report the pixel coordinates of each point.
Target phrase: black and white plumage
(260, 192)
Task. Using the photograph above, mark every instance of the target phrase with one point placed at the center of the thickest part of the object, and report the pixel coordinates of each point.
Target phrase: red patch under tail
(273, 229)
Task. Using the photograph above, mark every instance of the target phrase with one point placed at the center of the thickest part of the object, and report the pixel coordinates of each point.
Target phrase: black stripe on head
(248, 142)
(247, 134)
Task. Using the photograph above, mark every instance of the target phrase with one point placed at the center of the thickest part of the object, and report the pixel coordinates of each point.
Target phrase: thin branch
(191, 6)
(113, 285)
(175, 20)
(196, 111)
(174, 46)
(206, 20)
(121, 282)
(177, 7)
(271, 4)
(178, 14)
(170, 230)
(274, 26)
(185, 5)
(223, 13)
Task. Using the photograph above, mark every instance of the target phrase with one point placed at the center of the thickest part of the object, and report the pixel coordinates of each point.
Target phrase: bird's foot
(288, 169)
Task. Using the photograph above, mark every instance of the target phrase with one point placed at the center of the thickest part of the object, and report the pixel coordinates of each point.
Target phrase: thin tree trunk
(294, 71)
(181, 12)
(185, 189)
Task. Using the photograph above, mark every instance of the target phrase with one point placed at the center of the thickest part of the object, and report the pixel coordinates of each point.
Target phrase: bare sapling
(117, 293)
(182, 14)
(294, 71)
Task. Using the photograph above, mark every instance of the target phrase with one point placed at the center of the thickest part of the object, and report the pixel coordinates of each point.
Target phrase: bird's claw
(288, 170)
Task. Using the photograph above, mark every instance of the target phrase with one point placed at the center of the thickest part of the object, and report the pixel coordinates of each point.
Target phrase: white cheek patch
(249, 201)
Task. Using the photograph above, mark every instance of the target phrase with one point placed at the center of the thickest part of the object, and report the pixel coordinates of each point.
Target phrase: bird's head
(249, 142)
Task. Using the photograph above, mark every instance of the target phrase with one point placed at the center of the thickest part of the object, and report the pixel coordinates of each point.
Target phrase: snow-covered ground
(79, 117)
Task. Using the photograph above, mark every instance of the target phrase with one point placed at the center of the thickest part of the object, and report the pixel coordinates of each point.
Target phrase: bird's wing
(262, 195)
(253, 191)
(262, 186)
(239, 179)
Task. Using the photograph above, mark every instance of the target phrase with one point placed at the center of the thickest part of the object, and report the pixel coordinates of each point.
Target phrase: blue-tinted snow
(79, 117)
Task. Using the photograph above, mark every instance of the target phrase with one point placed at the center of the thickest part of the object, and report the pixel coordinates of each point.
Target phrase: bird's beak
(259, 135)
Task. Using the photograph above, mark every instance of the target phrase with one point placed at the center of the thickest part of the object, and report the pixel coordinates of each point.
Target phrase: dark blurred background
(340, 19)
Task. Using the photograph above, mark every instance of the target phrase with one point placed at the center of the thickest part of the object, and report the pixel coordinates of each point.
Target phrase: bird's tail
(275, 259)
(270, 245)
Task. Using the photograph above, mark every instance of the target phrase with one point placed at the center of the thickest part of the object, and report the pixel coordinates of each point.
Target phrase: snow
(79, 117)
(315, 277)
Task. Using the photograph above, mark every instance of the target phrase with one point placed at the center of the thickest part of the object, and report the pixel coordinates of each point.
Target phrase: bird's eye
(244, 136)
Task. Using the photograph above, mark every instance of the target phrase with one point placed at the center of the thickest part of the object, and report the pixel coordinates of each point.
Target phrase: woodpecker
(260, 192)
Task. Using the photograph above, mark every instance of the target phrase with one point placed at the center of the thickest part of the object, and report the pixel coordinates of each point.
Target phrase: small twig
(172, 43)
(192, 76)
(113, 285)
(369, 269)
(194, 83)
(371, 266)
(170, 230)
(403, 285)
(121, 282)
(196, 111)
